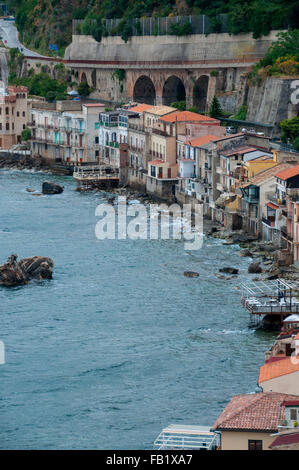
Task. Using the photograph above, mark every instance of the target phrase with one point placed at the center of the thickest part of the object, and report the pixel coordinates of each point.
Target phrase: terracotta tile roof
(266, 175)
(156, 162)
(201, 140)
(161, 110)
(182, 116)
(253, 412)
(140, 108)
(93, 105)
(285, 439)
(277, 369)
(289, 173)
(238, 150)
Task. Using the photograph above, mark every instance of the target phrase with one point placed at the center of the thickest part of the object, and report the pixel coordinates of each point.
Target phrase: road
(10, 37)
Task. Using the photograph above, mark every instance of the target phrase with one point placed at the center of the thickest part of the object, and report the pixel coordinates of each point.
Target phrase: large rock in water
(37, 267)
(229, 270)
(51, 188)
(13, 273)
(254, 268)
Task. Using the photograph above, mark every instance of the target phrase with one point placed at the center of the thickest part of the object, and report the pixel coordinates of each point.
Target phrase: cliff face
(270, 102)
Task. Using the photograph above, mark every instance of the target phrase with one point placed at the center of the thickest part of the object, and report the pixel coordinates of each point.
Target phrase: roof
(182, 116)
(156, 162)
(161, 110)
(289, 173)
(240, 150)
(201, 140)
(93, 105)
(253, 412)
(285, 439)
(140, 108)
(272, 370)
(266, 175)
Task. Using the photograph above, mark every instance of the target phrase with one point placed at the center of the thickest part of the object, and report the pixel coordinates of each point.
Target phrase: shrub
(180, 30)
(84, 89)
(180, 105)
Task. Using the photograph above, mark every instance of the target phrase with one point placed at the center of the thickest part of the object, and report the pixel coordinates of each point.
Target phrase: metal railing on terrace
(160, 26)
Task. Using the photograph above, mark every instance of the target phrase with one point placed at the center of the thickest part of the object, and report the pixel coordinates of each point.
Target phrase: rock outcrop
(51, 188)
(191, 274)
(37, 267)
(229, 270)
(254, 268)
(13, 273)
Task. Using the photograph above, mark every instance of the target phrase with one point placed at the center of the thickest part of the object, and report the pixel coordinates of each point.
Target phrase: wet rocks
(51, 188)
(245, 253)
(191, 274)
(13, 273)
(254, 268)
(37, 267)
(229, 270)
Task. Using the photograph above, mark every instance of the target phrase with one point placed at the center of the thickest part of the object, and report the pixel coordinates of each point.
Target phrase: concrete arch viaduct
(164, 69)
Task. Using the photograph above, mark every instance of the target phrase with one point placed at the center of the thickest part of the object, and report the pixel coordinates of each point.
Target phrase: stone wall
(270, 102)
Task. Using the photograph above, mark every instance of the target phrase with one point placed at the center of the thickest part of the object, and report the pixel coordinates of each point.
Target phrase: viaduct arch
(144, 90)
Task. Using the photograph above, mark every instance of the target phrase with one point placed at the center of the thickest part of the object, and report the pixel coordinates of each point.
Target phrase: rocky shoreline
(264, 254)
(23, 162)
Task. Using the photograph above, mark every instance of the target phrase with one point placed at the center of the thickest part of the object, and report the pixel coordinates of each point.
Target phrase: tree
(26, 134)
(290, 128)
(84, 89)
(296, 144)
(180, 105)
(215, 109)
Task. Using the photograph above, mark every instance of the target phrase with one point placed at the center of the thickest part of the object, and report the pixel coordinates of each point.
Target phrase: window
(7, 126)
(18, 114)
(96, 140)
(6, 111)
(293, 414)
(255, 445)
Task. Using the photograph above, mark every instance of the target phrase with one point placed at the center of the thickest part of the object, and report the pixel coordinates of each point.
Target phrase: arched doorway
(200, 93)
(83, 78)
(173, 90)
(144, 91)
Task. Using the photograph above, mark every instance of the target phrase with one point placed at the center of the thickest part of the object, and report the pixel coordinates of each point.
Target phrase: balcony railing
(268, 222)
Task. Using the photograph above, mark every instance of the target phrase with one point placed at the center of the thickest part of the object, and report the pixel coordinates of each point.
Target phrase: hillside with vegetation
(44, 22)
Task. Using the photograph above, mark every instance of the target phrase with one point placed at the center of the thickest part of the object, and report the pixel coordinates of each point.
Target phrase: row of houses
(179, 155)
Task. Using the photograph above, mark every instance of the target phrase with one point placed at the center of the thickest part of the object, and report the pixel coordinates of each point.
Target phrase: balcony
(108, 124)
(112, 144)
(270, 222)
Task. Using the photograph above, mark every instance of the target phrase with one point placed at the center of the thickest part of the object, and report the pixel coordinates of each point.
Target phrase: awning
(272, 205)
(285, 440)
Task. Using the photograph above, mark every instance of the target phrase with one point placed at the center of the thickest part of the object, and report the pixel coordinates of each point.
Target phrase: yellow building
(251, 168)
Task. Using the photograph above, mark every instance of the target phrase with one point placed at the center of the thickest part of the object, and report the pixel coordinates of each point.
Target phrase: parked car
(231, 130)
